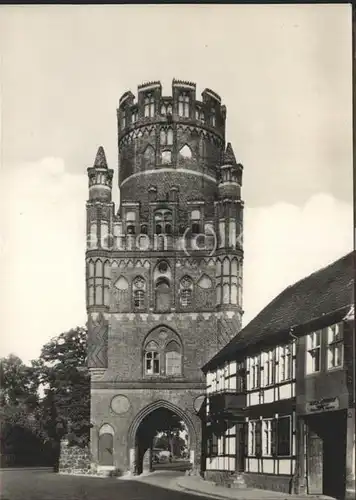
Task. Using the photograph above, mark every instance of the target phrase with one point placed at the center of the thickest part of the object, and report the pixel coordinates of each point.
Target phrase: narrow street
(45, 485)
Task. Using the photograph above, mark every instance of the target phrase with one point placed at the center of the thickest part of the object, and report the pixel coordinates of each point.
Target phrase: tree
(21, 438)
(163, 420)
(18, 382)
(63, 374)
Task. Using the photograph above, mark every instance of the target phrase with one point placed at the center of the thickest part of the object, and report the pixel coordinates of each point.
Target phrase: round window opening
(162, 267)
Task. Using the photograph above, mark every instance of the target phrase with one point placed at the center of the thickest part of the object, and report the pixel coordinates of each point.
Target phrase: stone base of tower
(118, 418)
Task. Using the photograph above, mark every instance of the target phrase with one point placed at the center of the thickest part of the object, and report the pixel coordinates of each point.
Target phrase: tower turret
(230, 175)
(100, 178)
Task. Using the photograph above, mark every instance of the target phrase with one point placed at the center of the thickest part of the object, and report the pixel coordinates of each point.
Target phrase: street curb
(272, 497)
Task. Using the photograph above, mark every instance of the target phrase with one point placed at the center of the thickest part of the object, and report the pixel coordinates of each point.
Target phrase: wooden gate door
(106, 449)
(315, 464)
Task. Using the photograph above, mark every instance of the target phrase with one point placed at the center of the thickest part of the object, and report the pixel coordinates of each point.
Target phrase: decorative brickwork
(158, 306)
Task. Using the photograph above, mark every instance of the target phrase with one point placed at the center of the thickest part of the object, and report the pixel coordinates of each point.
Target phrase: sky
(284, 73)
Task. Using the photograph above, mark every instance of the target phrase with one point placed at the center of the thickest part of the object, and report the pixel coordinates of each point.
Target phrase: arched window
(130, 222)
(149, 155)
(139, 289)
(166, 137)
(173, 359)
(218, 268)
(107, 273)
(163, 109)
(185, 152)
(152, 359)
(166, 157)
(104, 234)
(123, 119)
(134, 116)
(144, 229)
(93, 235)
(163, 295)
(234, 294)
(91, 275)
(149, 106)
(226, 267)
(218, 294)
(139, 299)
(183, 104)
(213, 117)
(163, 222)
(226, 293)
(98, 282)
(186, 291)
(234, 267)
(195, 218)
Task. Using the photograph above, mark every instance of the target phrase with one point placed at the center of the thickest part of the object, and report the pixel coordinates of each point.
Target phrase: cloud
(43, 248)
(284, 243)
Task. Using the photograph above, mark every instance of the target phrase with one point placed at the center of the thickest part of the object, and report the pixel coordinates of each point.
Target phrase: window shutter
(274, 437)
(244, 429)
(258, 438)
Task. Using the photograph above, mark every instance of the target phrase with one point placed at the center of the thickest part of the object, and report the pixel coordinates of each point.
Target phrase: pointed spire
(100, 159)
(229, 156)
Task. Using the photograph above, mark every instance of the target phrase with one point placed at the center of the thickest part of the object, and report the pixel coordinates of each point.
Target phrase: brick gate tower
(164, 272)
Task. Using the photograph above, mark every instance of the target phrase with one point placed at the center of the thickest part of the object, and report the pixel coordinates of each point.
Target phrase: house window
(149, 106)
(285, 362)
(152, 363)
(213, 445)
(254, 372)
(335, 346)
(313, 352)
(240, 375)
(183, 105)
(173, 359)
(268, 367)
(267, 438)
(284, 436)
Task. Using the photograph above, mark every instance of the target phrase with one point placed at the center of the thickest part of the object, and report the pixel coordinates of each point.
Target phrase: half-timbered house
(283, 386)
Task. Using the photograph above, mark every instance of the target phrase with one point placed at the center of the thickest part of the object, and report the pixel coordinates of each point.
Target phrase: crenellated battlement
(181, 106)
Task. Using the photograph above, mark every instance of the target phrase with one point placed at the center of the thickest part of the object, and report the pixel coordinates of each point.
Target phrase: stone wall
(74, 459)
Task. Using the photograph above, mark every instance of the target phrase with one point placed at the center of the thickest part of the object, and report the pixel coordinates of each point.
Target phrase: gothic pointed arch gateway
(155, 309)
(142, 425)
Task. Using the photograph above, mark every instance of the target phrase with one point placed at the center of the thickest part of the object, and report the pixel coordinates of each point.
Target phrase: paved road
(41, 485)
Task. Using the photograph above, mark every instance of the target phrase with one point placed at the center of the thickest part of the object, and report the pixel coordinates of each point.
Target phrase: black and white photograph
(177, 252)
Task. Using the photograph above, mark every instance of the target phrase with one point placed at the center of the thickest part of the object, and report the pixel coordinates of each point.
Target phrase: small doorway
(106, 449)
(326, 454)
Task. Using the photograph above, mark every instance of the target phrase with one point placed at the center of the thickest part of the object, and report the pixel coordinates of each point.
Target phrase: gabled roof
(323, 297)
(100, 159)
(229, 155)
